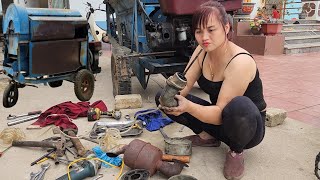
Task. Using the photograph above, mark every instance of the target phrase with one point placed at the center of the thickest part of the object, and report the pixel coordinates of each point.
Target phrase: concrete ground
(287, 152)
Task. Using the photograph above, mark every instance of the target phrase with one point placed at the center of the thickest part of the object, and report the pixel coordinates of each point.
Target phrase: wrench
(33, 176)
(44, 167)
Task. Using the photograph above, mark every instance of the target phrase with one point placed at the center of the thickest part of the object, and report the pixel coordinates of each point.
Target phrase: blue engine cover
(19, 17)
(41, 41)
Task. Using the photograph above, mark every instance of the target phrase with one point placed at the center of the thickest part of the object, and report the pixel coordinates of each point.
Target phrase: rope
(11, 134)
(110, 139)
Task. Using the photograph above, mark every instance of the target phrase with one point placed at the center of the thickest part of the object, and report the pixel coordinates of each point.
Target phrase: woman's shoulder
(200, 56)
(237, 50)
(241, 58)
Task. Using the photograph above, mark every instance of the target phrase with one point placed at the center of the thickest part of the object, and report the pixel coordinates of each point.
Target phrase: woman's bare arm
(237, 77)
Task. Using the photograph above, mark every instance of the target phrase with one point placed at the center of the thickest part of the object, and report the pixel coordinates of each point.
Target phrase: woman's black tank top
(254, 90)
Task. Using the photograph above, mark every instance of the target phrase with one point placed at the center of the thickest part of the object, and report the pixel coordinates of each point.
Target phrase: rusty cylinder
(141, 155)
(175, 83)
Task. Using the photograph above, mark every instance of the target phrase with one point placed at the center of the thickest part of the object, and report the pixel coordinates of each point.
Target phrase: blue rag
(102, 155)
(154, 120)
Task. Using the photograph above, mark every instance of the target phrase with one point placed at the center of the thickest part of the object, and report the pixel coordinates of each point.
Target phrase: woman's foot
(234, 166)
(203, 139)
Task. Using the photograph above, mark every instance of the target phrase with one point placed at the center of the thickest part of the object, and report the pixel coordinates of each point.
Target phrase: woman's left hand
(183, 105)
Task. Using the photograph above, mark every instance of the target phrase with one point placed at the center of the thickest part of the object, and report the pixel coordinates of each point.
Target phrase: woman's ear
(227, 28)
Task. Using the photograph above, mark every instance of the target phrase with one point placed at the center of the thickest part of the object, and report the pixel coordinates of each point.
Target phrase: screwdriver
(1, 153)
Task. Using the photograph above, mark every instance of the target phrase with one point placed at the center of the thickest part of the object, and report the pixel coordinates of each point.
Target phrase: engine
(151, 37)
(168, 33)
(162, 25)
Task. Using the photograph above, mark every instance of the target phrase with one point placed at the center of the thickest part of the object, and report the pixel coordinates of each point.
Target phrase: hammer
(95, 114)
(81, 150)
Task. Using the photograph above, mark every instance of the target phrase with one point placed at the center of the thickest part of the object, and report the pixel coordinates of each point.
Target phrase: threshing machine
(48, 46)
(151, 37)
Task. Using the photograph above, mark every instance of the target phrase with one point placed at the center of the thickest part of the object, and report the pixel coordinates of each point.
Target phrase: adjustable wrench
(44, 167)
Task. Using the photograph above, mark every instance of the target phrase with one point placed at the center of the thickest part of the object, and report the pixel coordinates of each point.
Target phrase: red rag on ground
(72, 110)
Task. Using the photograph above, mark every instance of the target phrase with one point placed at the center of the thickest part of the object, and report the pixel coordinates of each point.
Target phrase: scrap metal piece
(138, 174)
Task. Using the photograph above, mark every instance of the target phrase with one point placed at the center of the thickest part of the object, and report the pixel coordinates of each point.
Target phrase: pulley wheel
(84, 85)
(10, 95)
(136, 174)
(55, 84)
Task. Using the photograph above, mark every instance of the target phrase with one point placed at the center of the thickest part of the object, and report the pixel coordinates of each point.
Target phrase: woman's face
(212, 35)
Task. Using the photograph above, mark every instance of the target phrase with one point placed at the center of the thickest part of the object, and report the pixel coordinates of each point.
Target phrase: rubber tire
(10, 95)
(84, 85)
(55, 84)
(90, 60)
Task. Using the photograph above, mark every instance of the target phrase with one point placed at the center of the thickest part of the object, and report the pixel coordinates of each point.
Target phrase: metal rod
(12, 117)
(44, 156)
(22, 120)
(144, 11)
(148, 54)
(136, 25)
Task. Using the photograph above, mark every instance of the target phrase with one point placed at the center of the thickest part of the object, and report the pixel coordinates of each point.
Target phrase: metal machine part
(136, 174)
(89, 169)
(95, 114)
(182, 176)
(99, 128)
(175, 84)
(176, 146)
(141, 155)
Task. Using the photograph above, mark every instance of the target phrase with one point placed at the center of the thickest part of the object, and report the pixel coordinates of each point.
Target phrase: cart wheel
(55, 84)
(84, 85)
(10, 95)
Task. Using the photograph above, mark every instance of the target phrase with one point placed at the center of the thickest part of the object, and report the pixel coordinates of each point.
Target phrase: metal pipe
(34, 144)
(136, 25)
(144, 11)
(22, 120)
(148, 54)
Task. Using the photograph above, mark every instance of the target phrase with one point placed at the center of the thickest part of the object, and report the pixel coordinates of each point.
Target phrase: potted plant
(255, 26)
(247, 8)
(271, 27)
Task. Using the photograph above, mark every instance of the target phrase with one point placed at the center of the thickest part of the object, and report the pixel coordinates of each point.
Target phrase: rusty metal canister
(141, 155)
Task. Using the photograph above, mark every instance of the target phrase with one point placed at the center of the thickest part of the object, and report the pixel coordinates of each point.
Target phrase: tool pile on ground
(64, 147)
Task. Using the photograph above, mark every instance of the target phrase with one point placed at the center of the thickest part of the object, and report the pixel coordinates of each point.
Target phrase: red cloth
(275, 14)
(70, 109)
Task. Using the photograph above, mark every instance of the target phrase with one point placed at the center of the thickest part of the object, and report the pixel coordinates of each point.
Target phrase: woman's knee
(240, 106)
(240, 113)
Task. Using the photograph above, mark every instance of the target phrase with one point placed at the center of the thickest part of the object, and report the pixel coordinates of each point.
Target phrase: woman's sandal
(198, 141)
